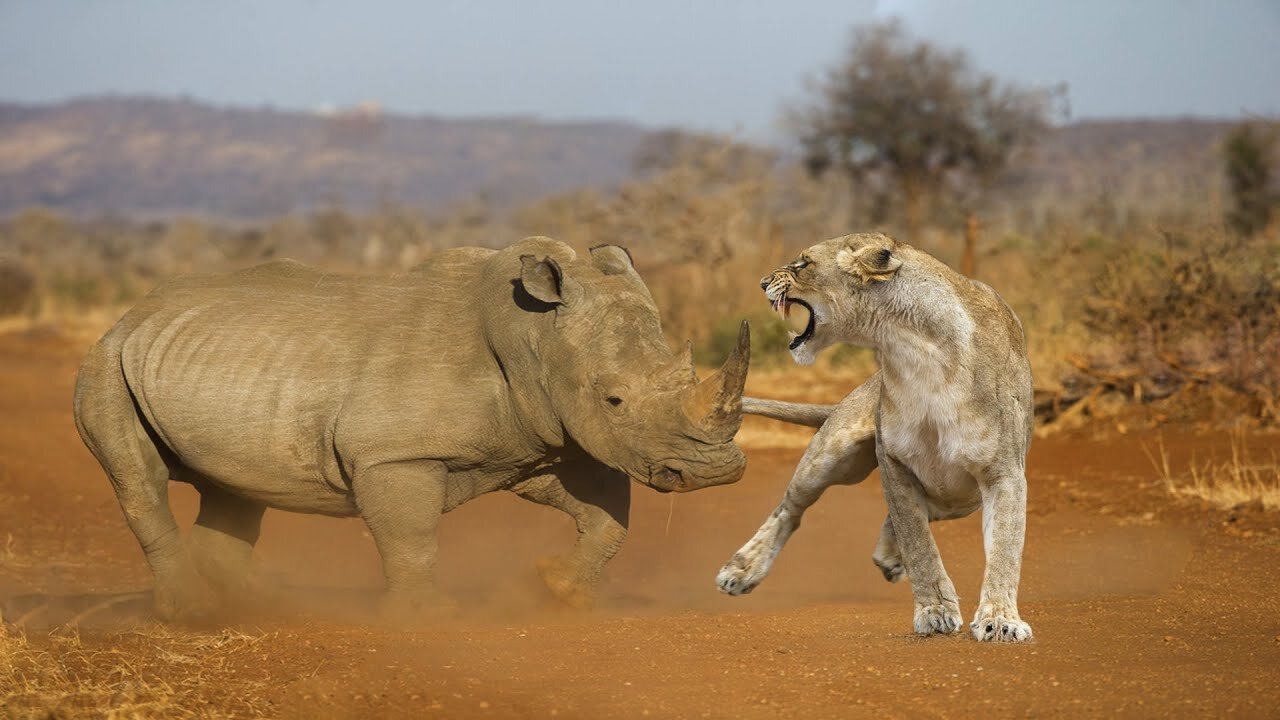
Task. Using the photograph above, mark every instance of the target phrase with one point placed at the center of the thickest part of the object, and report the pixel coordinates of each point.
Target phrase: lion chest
(933, 435)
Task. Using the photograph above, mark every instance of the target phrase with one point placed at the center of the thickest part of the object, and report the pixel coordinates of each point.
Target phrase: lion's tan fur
(947, 419)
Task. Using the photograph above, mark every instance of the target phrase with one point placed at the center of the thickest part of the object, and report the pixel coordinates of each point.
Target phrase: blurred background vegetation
(1143, 256)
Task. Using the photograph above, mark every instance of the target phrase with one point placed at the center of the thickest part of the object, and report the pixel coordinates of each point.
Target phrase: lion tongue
(797, 318)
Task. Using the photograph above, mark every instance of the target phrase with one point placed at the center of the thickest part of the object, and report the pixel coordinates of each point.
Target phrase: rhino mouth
(665, 479)
(799, 316)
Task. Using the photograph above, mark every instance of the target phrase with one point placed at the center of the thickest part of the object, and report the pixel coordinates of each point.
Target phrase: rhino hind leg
(599, 501)
(108, 422)
(221, 544)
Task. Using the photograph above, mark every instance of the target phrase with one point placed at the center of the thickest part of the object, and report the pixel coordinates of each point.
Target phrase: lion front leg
(937, 608)
(1004, 523)
(842, 453)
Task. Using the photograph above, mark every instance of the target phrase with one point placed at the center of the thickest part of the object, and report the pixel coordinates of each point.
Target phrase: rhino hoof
(188, 602)
(564, 584)
(405, 608)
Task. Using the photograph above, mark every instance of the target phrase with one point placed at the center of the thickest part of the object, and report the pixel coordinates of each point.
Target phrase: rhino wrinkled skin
(397, 399)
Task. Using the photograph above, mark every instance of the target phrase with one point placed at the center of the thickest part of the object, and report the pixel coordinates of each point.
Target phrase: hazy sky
(711, 64)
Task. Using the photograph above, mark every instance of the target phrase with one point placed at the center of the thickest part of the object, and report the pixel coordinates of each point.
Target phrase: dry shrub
(1192, 312)
(1240, 481)
(1110, 309)
(1044, 282)
(709, 221)
(149, 672)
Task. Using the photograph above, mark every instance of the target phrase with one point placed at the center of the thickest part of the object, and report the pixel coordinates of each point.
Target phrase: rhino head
(608, 378)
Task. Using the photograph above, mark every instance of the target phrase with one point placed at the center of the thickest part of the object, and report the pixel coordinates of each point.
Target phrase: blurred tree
(898, 113)
(333, 230)
(38, 230)
(1248, 153)
(17, 287)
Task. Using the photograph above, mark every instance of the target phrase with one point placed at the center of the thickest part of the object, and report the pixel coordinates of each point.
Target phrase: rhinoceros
(528, 369)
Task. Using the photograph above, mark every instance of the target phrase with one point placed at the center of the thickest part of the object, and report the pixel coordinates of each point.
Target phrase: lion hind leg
(886, 555)
(937, 607)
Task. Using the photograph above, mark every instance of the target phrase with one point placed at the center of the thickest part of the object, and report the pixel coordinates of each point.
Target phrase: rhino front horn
(715, 404)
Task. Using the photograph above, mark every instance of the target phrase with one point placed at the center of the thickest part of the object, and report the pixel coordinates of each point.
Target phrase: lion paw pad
(738, 577)
(942, 619)
(1000, 629)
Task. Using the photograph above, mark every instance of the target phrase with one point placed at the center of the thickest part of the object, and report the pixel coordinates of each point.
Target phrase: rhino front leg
(402, 503)
(599, 501)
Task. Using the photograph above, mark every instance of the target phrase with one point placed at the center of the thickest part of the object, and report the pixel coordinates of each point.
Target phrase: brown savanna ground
(1143, 605)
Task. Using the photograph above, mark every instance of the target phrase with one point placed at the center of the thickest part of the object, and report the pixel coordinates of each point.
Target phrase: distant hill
(139, 156)
(1166, 166)
(156, 156)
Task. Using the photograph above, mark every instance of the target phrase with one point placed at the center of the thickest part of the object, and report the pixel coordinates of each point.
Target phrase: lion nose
(764, 282)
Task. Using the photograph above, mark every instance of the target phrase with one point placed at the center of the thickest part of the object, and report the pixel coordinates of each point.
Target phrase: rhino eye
(614, 400)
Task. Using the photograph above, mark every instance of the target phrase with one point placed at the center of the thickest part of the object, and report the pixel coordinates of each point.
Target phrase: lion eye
(799, 265)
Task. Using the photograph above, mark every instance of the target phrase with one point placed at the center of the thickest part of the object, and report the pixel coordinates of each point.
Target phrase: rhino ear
(542, 279)
(611, 259)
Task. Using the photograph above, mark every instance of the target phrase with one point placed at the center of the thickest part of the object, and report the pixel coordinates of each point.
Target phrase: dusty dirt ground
(1141, 606)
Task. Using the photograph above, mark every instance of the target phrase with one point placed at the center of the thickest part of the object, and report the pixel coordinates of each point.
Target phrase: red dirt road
(1141, 606)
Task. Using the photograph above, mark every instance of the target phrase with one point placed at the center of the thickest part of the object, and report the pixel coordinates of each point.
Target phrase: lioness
(947, 418)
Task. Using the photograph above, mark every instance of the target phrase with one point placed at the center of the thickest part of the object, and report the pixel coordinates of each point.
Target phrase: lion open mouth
(798, 316)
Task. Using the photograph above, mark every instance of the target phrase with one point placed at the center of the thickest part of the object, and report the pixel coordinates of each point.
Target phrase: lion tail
(795, 413)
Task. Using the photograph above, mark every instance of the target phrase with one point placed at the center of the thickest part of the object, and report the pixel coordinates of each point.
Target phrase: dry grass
(9, 557)
(1120, 306)
(1240, 480)
(151, 671)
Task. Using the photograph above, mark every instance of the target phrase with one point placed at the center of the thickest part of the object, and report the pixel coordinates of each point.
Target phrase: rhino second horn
(715, 404)
(684, 362)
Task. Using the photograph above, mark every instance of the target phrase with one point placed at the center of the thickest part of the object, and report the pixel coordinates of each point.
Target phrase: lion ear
(871, 263)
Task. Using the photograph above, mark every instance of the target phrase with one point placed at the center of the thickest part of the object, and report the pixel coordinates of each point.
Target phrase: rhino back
(247, 377)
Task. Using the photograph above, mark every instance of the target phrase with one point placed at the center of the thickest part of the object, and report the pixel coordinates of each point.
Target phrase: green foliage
(769, 341)
(1248, 154)
(844, 355)
(127, 290)
(75, 290)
